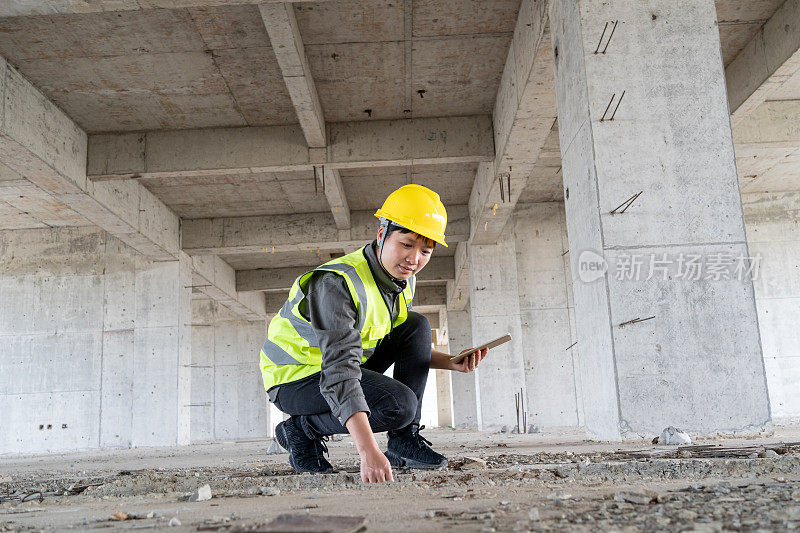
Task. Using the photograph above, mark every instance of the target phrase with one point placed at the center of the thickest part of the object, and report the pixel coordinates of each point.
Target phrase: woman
(343, 325)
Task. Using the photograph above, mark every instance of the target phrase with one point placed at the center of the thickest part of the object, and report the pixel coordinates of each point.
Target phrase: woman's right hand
(375, 467)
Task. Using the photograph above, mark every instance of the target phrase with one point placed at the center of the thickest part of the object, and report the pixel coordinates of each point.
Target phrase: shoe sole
(284, 442)
(403, 462)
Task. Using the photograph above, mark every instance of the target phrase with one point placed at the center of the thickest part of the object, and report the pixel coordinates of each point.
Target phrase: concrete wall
(548, 316)
(773, 232)
(96, 346)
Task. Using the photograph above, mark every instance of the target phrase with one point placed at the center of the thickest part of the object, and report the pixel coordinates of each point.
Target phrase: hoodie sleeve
(333, 316)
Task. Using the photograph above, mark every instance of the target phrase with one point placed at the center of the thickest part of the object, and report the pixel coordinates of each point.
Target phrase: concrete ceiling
(211, 67)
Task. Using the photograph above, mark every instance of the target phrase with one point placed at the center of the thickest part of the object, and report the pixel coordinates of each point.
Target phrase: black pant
(394, 403)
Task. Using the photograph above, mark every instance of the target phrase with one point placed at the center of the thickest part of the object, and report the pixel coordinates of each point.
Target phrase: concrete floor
(543, 481)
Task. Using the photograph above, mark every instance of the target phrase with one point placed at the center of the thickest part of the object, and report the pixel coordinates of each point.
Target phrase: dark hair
(394, 227)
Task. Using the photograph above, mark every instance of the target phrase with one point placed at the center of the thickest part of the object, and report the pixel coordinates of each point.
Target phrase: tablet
(491, 344)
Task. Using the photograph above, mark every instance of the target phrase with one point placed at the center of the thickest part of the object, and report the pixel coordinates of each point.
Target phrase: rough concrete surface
(543, 482)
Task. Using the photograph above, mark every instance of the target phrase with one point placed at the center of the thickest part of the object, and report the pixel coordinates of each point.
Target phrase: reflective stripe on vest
(291, 350)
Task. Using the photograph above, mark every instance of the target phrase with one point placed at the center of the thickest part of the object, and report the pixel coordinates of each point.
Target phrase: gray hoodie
(332, 313)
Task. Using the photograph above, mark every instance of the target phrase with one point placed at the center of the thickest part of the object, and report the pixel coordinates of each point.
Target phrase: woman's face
(404, 254)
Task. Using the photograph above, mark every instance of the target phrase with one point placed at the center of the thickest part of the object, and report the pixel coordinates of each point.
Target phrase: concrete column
(648, 112)
(459, 329)
(548, 319)
(228, 398)
(161, 353)
(774, 236)
(444, 395)
(494, 304)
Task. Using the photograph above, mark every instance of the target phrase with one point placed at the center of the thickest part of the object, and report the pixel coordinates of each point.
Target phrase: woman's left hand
(470, 362)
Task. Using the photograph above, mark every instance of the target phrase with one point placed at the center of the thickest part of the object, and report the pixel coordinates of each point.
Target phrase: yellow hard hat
(418, 209)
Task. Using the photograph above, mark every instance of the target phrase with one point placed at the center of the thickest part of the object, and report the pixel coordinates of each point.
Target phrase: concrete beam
(216, 279)
(42, 144)
(383, 143)
(524, 114)
(458, 289)
(439, 270)
(287, 43)
(331, 182)
(295, 232)
(768, 61)
(428, 299)
(775, 124)
(23, 8)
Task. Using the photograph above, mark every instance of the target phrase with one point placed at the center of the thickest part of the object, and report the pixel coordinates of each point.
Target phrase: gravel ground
(495, 482)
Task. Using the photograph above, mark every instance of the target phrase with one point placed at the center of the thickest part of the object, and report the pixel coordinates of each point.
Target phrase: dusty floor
(536, 482)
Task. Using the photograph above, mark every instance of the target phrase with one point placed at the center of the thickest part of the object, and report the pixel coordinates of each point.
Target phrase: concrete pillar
(494, 304)
(161, 353)
(697, 363)
(773, 235)
(548, 319)
(228, 398)
(465, 412)
(444, 395)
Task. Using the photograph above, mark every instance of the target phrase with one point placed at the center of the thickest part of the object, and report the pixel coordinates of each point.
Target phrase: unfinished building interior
(622, 183)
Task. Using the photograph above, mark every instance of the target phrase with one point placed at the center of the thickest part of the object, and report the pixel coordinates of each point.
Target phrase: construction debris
(473, 463)
(307, 523)
(673, 436)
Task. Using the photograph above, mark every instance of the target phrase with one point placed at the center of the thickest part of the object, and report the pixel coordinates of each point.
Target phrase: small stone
(686, 514)
(313, 496)
(505, 502)
(201, 494)
(559, 496)
(275, 448)
(769, 454)
(796, 495)
(119, 516)
(533, 514)
(151, 514)
(174, 522)
(337, 438)
(634, 497)
(753, 455)
(473, 463)
(197, 474)
(269, 491)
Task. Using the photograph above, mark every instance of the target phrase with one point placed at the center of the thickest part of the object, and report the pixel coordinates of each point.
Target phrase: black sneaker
(407, 448)
(305, 454)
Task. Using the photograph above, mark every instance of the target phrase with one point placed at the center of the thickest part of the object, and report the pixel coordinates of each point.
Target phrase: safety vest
(291, 351)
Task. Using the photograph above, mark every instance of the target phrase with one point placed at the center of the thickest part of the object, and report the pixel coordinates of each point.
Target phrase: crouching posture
(343, 325)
